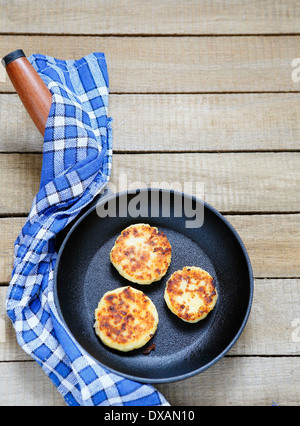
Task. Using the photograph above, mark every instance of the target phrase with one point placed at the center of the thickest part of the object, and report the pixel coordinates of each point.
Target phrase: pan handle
(31, 89)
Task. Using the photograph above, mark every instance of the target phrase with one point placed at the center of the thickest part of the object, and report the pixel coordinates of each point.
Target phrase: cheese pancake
(141, 254)
(125, 319)
(190, 294)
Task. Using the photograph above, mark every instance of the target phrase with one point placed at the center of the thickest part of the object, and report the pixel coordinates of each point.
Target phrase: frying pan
(84, 273)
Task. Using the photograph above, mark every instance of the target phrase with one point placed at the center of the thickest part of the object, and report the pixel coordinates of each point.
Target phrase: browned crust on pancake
(125, 319)
(142, 254)
(199, 285)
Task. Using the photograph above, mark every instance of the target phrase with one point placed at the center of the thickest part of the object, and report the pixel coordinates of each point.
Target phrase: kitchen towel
(77, 154)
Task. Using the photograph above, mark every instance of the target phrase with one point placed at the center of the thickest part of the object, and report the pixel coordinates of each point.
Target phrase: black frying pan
(84, 273)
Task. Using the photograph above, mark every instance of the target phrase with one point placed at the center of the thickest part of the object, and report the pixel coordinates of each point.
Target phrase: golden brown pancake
(125, 319)
(190, 294)
(141, 254)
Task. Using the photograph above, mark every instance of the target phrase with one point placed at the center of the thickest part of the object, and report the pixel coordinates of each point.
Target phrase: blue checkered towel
(76, 166)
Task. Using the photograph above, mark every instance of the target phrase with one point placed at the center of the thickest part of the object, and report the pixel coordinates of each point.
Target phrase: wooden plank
(23, 173)
(272, 241)
(177, 64)
(18, 132)
(25, 384)
(269, 331)
(233, 182)
(232, 381)
(268, 239)
(10, 228)
(240, 381)
(227, 178)
(216, 122)
(155, 17)
(273, 327)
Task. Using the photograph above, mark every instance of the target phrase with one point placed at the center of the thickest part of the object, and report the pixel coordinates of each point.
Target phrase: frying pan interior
(84, 273)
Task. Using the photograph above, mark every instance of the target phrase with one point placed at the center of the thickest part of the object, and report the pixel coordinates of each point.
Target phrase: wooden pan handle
(31, 89)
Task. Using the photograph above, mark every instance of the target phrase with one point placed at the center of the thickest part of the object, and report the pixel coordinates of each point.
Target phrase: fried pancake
(141, 254)
(125, 319)
(190, 294)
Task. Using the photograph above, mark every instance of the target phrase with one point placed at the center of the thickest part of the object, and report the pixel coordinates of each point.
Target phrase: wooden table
(201, 90)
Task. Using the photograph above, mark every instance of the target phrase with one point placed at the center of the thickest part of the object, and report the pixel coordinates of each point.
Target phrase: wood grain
(177, 64)
(273, 325)
(10, 229)
(272, 241)
(25, 384)
(233, 182)
(19, 177)
(155, 17)
(268, 239)
(161, 123)
(240, 381)
(237, 381)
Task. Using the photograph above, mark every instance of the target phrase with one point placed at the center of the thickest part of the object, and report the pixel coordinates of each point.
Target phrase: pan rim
(194, 372)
